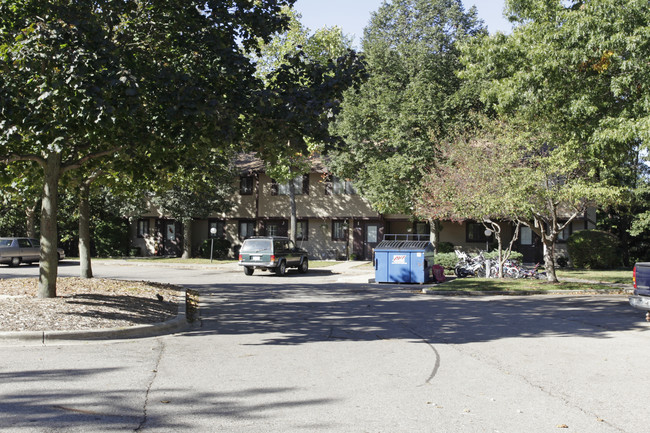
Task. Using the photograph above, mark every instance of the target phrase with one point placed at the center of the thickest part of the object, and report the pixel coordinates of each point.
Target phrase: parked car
(14, 251)
(641, 278)
(272, 253)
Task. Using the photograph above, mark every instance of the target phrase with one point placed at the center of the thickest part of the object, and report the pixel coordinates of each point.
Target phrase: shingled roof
(249, 163)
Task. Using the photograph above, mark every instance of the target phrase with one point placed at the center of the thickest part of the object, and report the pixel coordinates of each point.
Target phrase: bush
(593, 249)
(562, 261)
(220, 250)
(445, 247)
(514, 255)
(447, 260)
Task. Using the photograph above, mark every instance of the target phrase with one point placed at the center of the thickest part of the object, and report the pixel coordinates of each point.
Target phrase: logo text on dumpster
(399, 259)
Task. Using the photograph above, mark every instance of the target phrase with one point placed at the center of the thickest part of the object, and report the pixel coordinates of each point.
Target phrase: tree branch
(81, 161)
(28, 157)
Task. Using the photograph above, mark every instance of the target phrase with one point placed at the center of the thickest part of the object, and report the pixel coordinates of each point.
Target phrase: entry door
(373, 233)
(171, 238)
(530, 245)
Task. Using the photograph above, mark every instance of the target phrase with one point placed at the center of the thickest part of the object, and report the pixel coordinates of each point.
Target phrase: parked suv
(272, 253)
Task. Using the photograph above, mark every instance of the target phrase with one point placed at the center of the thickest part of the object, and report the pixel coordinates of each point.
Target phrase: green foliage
(109, 229)
(110, 237)
(325, 44)
(220, 250)
(514, 255)
(447, 260)
(148, 82)
(12, 220)
(196, 189)
(562, 261)
(445, 247)
(567, 83)
(594, 249)
(391, 126)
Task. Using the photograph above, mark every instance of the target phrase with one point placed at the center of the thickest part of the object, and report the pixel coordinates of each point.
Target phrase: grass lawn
(621, 276)
(510, 285)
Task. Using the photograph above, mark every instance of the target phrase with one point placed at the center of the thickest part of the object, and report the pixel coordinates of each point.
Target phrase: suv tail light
(634, 276)
(272, 258)
(241, 258)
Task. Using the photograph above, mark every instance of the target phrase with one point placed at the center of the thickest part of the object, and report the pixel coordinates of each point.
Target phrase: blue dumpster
(403, 261)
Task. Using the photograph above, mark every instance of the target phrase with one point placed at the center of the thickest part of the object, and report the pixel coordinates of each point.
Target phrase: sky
(354, 15)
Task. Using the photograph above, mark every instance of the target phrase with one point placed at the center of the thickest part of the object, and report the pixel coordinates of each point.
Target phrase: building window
(526, 236)
(339, 230)
(219, 229)
(372, 234)
(246, 185)
(143, 228)
(300, 185)
(246, 229)
(563, 236)
(338, 186)
(476, 232)
(302, 230)
(422, 228)
(272, 229)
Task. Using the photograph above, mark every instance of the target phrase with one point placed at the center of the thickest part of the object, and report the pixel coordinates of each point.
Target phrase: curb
(429, 291)
(171, 326)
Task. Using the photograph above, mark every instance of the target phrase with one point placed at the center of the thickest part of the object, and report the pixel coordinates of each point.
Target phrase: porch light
(213, 231)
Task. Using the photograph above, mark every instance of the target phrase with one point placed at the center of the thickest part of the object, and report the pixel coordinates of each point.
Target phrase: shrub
(514, 255)
(220, 250)
(593, 249)
(447, 260)
(445, 247)
(562, 261)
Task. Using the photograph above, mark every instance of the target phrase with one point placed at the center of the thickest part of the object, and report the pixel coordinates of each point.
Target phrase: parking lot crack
(154, 374)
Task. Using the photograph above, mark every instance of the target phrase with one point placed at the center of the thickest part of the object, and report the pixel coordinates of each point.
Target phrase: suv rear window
(256, 245)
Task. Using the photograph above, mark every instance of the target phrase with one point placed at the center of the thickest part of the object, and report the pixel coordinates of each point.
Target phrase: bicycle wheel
(512, 272)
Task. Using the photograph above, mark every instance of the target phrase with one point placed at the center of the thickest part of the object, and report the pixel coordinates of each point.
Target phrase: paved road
(312, 353)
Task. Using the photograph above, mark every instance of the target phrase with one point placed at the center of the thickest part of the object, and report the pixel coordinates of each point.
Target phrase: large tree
(476, 179)
(410, 101)
(570, 82)
(305, 76)
(86, 80)
(507, 175)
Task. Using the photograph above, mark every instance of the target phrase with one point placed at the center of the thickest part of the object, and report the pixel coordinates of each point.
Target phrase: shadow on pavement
(308, 313)
(60, 404)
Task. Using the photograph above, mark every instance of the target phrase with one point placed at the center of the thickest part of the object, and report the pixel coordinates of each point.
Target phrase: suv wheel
(15, 261)
(282, 268)
(304, 266)
(248, 270)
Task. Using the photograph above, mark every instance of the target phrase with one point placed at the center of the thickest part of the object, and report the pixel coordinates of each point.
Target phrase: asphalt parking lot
(329, 352)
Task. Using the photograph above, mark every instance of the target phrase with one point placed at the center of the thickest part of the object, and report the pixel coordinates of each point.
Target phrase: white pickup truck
(14, 251)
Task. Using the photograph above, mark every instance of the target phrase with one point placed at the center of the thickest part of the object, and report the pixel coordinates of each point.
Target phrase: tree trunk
(293, 220)
(187, 238)
(434, 234)
(84, 230)
(549, 259)
(48, 267)
(30, 219)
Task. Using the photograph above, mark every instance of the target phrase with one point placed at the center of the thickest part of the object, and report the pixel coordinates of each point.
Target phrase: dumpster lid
(404, 243)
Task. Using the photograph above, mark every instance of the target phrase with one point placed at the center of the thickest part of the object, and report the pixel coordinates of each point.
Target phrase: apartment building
(333, 221)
